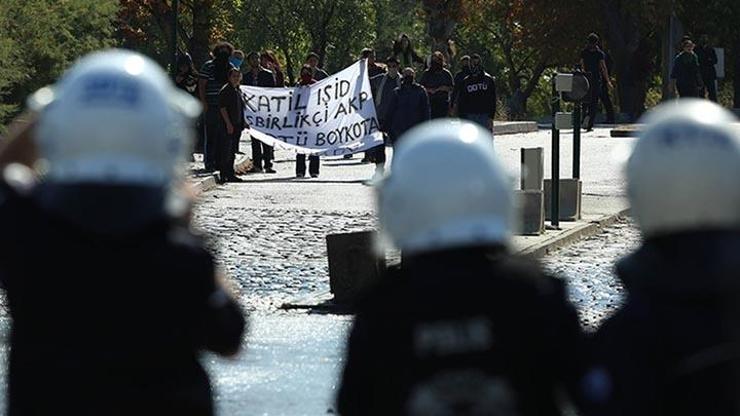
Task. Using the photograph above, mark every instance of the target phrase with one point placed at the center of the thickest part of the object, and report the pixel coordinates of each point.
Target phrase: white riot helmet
(114, 118)
(447, 189)
(684, 172)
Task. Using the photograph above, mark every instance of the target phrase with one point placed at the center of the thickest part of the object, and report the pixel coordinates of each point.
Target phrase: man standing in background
(459, 78)
(593, 62)
(213, 76)
(259, 77)
(478, 96)
(707, 60)
(383, 87)
(438, 83)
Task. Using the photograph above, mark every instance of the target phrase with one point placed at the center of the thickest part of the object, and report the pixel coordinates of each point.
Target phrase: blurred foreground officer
(463, 327)
(674, 347)
(112, 298)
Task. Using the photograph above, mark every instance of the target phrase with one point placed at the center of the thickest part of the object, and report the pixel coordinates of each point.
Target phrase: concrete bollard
(570, 199)
(353, 264)
(533, 168)
(531, 204)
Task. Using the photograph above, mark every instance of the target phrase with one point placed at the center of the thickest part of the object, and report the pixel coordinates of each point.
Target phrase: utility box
(564, 82)
(563, 121)
(532, 168)
(570, 199)
(354, 265)
(531, 206)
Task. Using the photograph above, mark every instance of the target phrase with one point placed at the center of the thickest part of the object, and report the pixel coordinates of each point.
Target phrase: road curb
(568, 237)
(514, 127)
(210, 182)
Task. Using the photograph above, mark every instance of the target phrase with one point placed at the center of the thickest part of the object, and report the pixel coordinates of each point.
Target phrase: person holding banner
(409, 106)
(300, 158)
(258, 76)
(382, 87)
(312, 60)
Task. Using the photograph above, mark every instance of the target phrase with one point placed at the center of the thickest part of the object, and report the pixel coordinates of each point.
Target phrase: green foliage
(41, 38)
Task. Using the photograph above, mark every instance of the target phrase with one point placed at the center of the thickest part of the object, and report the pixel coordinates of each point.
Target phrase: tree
(41, 38)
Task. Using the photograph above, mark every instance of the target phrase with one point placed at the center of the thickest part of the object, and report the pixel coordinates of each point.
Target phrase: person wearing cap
(685, 73)
(461, 326)
(258, 76)
(112, 297)
(673, 346)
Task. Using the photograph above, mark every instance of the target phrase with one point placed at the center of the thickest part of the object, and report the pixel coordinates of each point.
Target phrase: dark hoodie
(674, 347)
(111, 303)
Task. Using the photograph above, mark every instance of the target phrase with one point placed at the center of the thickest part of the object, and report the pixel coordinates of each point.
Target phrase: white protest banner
(334, 116)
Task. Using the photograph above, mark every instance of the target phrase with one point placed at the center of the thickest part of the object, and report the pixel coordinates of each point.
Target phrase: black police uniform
(459, 330)
(109, 314)
(674, 347)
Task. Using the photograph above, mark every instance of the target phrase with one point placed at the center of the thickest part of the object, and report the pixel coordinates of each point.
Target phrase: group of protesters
(401, 100)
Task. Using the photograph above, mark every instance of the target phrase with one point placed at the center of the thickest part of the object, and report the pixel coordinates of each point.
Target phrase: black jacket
(108, 318)
(707, 57)
(674, 347)
(264, 78)
(459, 328)
(478, 95)
(409, 107)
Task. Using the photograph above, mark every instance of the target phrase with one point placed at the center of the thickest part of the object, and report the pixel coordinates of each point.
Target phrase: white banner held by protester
(334, 116)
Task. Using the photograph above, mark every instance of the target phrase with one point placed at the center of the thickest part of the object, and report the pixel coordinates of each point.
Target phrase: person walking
(604, 97)
(458, 81)
(258, 76)
(112, 297)
(707, 58)
(462, 326)
(409, 106)
(673, 346)
(314, 163)
(438, 83)
(231, 107)
(478, 96)
(685, 72)
(213, 76)
(593, 62)
(383, 87)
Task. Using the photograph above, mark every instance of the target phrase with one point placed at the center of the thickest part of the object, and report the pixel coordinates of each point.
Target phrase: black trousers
(226, 153)
(710, 89)
(594, 93)
(300, 164)
(607, 101)
(213, 125)
(687, 90)
(262, 154)
(439, 108)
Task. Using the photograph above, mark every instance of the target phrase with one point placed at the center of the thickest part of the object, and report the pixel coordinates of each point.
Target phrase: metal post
(173, 53)
(555, 181)
(577, 140)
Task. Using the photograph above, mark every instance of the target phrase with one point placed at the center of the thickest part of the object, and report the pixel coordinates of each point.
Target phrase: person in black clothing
(213, 76)
(403, 50)
(300, 159)
(685, 73)
(593, 62)
(478, 96)
(409, 106)
(373, 69)
(231, 107)
(458, 80)
(673, 347)
(438, 83)
(604, 97)
(707, 60)
(461, 326)
(186, 78)
(383, 87)
(112, 296)
(312, 60)
(258, 76)
(269, 61)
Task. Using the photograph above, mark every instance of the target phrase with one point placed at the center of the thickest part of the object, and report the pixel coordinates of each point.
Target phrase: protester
(112, 297)
(604, 96)
(593, 62)
(231, 107)
(236, 59)
(383, 87)
(373, 69)
(461, 324)
(312, 60)
(403, 50)
(457, 81)
(258, 76)
(478, 96)
(409, 106)
(672, 348)
(186, 78)
(707, 58)
(438, 83)
(685, 73)
(213, 76)
(306, 79)
(269, 61)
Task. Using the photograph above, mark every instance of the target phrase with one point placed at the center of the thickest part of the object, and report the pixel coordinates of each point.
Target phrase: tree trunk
(200, 43)
(441, 23)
